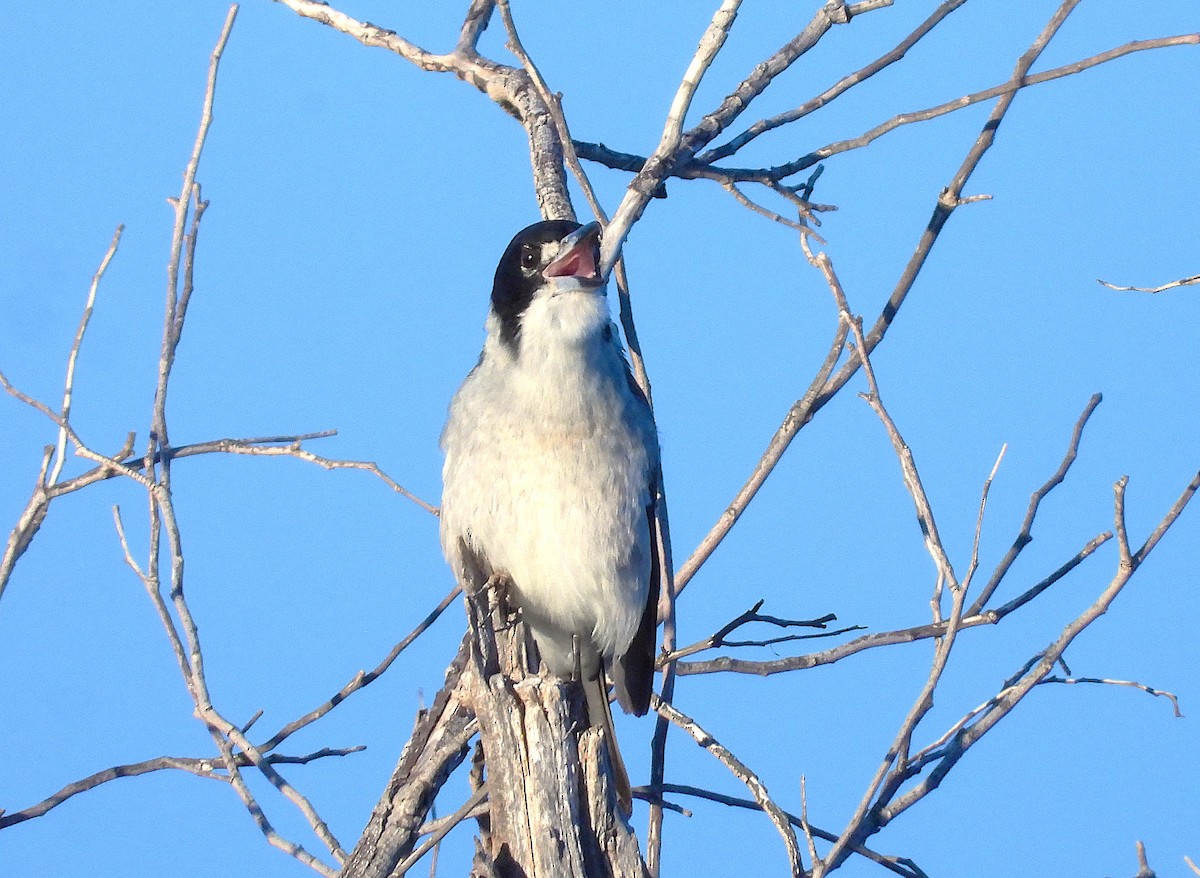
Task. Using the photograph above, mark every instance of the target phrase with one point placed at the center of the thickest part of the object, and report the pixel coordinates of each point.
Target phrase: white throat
(565, 313)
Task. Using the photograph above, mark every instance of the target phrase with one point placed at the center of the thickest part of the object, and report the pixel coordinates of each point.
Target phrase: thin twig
(742, 773)
(1004, 91)
(264, 446)
(27, 525)
(647, 181)
(697, 170)
(809, 831)
(798, 415)
(81, 448)
(201, 767)
(898, 865)
(233, 446)
(908, 466)
(1182, 282)
(362, 679)
(720, 637)
(377, 37)
(1133, 684)
(69, 383)
(666, 695)
(1039, 668)
(814, 400)
(891, 771)
(676, 148)
(973, 564)
(1164, 525)
(1025, 535)
(444, 827)
(833, 92)
(189, 209)
(1029, 594)
(745, 201)
(728, 664)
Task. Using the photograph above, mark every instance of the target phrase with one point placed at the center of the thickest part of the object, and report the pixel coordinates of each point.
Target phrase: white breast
(548, 463)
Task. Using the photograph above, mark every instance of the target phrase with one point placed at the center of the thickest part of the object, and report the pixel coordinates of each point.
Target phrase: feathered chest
(567, 431)
(565, 395)
(547, 478)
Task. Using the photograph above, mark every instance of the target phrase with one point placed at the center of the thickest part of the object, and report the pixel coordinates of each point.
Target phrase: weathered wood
(616, 843)
(553, 810)
(437, 747)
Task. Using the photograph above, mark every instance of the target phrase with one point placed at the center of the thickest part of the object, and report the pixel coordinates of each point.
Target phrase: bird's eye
(528, 257)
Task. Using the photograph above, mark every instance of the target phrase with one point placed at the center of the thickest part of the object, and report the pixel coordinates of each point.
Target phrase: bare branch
(435, 824)
(893, 768)
(1161, 693)
(799, 414)
(719, 638)
(908, 466)
(698, 170)
(553, 104)
(1144, 870)
(1004, 91)
(1037, 669)
(864, 6)
(676, 149)
(833, 92)
(742, 773)
(437, 746)
(647, 181)
(207, 768)
(818, 395)
(1026, 596)
(361, 680)
(81, 449)
(897, 865)
(1182, 282)
(887, 638)
(444, 827)
(951, 196)
(182, 239)
(507, 86)
(377, 37)
(764, 73)
(936, 749)
(809, 831)
(973, 565)
(184, 637)
(28, 523)
(1165, 524)
(1025, 536)
(476, 22)
(743, 200)
(264, 446)
(293, 449)
(69, 383)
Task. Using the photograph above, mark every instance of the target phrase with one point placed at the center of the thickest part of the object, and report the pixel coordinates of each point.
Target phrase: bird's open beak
(579, 255)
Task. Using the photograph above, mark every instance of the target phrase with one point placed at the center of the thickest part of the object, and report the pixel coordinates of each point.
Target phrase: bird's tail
(600, 716)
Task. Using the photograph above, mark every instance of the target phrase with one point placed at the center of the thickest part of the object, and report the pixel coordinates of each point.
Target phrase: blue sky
(358, 207)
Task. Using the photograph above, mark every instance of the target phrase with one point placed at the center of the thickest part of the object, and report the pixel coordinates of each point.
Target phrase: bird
(551, 470)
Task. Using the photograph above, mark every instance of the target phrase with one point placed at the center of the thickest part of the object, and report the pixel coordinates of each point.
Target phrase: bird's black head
(552, 248)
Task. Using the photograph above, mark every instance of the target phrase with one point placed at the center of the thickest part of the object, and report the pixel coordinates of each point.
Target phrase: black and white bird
(549, 479)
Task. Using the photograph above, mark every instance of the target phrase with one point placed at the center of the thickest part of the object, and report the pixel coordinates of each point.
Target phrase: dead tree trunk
(551, 810)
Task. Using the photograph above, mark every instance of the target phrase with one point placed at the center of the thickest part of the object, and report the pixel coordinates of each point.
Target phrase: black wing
(633, 672)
